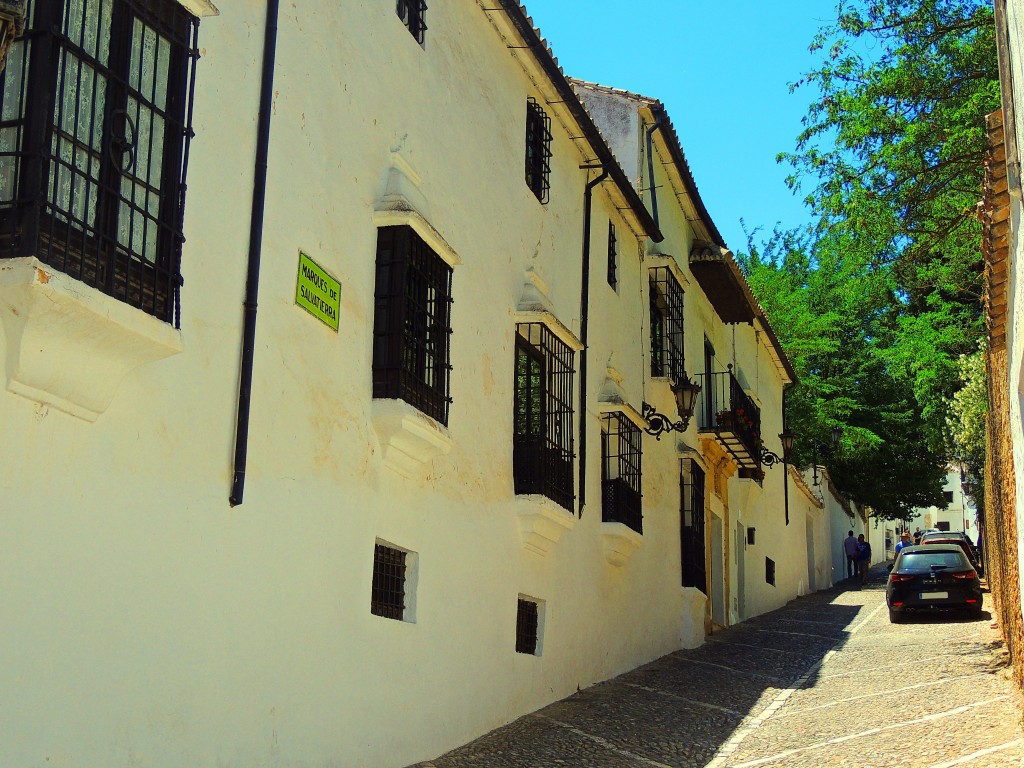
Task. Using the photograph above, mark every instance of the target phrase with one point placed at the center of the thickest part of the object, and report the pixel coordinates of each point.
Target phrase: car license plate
(934, 595)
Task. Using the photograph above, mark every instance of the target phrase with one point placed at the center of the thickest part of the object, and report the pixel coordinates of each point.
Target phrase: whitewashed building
(339, 350)
(957, 514)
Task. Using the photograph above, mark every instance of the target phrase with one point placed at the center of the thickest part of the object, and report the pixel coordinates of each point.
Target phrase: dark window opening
(613, 257)
(538, 149)
(621, 500)
(543, 415)
(94, 135)
(948, 496)
(942, 525)
(411, 323)
(413, 14)
(526, 627)
(666, 325)
(691, 519)
(387, 597)
(769, 571)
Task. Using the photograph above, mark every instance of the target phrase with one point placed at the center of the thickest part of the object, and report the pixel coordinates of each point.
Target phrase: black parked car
(932, 576)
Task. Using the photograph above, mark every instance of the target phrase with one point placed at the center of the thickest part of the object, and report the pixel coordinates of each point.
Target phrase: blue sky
(722, 69)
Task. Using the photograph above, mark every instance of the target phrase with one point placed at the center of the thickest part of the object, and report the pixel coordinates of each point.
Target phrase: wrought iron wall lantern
(658, 423)
(770, 458)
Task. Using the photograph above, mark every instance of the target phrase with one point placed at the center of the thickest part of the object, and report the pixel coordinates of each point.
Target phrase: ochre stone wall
(999, 521)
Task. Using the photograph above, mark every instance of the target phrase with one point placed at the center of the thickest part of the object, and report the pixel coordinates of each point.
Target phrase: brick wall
(999, 521)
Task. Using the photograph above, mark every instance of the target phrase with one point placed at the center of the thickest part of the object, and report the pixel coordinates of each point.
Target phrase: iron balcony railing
(621, 504)
(542, 467)
(725, 409)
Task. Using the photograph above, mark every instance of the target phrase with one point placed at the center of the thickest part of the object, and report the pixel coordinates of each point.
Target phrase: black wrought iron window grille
(621, 454)
(527, 625)
(413, 14)
(538, 149)
(387, 597)
(543, 415)
(613, 257)
(95, 127)
(411, 323)
(691, 520)
(666, 325)
(769, 571)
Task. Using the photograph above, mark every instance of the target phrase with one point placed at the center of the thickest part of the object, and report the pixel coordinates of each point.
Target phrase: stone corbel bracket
(542, 523)
(70, 345)
(408, 437)
(620, 542)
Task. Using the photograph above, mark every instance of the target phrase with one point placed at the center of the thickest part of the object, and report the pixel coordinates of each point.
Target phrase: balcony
(542, 468)
(621, 504)
(725, 410)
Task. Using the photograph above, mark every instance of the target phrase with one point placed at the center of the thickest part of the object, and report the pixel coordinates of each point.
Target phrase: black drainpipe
(650, 167)
(252, 281)
(584, 311)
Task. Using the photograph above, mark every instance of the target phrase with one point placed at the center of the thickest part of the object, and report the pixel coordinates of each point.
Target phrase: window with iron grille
(769, 571)
(613, 257)
(620, 472)
(542, 415)
(527, 624)
(691, 519)
(538, 149)
(413, 14)
(666, 325)
(94, 131)
(411, 323)
(387, 596)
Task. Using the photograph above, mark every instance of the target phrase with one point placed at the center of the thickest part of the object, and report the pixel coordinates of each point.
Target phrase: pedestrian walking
(850, 548)
(903, 542)
(863, 558)
(917, 535)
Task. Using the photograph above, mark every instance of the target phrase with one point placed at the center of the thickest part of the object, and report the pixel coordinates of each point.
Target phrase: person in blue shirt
(903, 542)
(863, 558)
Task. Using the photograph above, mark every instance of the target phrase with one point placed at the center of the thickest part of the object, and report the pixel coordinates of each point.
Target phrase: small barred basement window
(666, 325)
(388, 592)
(613, 257)
(413, 14)
(411, 323)
(527, 625)
(769, 571)
(538, 149)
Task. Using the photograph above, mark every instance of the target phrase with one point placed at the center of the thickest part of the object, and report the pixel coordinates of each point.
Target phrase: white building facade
(335, 338)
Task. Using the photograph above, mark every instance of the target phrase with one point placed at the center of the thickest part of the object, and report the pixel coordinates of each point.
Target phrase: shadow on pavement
(679, 709)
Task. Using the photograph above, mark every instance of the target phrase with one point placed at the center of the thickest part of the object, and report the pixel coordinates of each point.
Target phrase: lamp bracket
(658, 423)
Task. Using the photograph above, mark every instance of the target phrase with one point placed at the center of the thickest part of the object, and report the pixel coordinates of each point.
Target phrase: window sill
(620, 542)
(409, 438)
(542, 523)
(69, 345)
(199, 8)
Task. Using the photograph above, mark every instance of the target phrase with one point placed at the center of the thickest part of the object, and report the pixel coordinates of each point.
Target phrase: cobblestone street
(824, 681)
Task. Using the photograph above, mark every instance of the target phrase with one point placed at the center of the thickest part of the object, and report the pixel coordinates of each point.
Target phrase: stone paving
(824, 681)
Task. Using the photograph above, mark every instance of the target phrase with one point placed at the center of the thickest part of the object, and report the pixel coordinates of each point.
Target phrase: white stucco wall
(150, 623)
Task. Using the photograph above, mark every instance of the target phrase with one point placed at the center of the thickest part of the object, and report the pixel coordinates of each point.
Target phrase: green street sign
(317, 292)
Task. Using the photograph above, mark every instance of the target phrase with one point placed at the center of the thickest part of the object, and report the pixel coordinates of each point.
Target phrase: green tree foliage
(830, 313)
(879, 301)
(966, 422)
